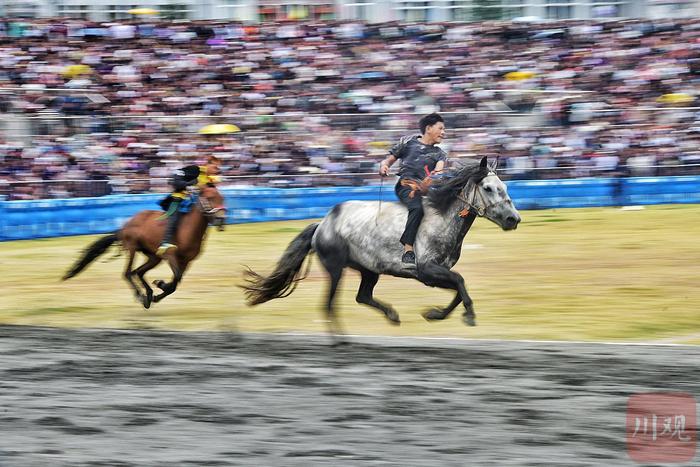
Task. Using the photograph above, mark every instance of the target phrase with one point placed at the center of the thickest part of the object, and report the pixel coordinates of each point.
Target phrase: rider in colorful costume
(179, 199)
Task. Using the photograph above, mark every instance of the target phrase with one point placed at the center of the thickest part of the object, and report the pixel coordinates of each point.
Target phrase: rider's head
(213, 165)
(432, 127)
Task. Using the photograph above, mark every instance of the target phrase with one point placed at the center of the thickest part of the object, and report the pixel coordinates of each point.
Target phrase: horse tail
(287, 274)
(91, 253)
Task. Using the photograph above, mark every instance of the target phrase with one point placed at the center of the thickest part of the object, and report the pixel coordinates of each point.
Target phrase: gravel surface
(144, 398)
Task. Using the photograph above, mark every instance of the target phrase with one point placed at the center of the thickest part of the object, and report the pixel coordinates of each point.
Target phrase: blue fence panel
(270, 204)
(580, 192)
(57, 217)
(662, 190)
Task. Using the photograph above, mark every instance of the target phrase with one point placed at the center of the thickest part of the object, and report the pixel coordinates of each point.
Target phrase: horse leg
(129, 273)
(442, 313)
(364, 296)
(169, 287)
(434, 275)
(334, 263)
(153, 261)
(333, 326)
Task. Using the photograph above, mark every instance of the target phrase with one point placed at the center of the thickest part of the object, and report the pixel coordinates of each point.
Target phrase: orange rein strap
(420, 187)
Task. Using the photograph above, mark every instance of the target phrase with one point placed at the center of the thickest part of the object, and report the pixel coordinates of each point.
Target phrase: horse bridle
(474, 193)
(207, 209)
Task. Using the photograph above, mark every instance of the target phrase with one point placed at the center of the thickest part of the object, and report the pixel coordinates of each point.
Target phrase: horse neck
(197, 222)
(448, 230)
(454, 226)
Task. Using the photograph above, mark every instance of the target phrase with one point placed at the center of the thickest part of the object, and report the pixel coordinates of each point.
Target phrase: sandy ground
(144, 398)
(567, 274)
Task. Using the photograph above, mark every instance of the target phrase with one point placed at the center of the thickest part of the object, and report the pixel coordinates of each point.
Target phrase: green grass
(574, 274)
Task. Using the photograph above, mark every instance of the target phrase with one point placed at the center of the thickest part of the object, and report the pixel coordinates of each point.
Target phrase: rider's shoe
(164, 248)
(408, 260)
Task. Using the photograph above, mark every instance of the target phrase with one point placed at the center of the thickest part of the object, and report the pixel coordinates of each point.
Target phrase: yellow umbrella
(142, 11)
(72, 71)
(519, 75)
(219, 129)
(675, 98)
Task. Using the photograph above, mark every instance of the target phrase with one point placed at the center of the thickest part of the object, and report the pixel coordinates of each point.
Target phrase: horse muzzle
(504, 216)
(511, 222)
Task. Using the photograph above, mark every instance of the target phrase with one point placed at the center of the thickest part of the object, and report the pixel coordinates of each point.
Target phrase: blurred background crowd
(90, 109)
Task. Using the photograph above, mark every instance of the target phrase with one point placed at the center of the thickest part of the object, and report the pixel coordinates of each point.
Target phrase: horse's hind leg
(333, 325)
(153, 261)
(129, 275)
(334, 263)
(434, 275)
(364, 296)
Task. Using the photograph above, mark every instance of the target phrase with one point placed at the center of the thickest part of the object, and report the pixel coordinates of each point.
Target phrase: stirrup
(164, 248)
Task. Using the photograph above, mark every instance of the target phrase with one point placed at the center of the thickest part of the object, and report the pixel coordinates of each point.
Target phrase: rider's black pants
(415, 213)
(172, 221)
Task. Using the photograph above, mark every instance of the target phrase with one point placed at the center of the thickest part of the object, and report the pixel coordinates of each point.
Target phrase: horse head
(211, 203)
(488, 196)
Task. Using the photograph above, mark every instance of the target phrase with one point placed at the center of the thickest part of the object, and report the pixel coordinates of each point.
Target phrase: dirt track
(111, 398)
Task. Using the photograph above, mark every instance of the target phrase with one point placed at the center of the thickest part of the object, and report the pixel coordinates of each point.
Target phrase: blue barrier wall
(52, 218)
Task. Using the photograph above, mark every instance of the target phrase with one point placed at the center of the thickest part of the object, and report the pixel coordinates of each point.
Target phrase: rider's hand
(383, 170)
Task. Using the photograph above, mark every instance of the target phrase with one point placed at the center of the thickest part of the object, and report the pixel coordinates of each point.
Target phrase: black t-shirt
(416, 156)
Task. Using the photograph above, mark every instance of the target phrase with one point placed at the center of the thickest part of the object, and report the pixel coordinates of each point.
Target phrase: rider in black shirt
(420, 158)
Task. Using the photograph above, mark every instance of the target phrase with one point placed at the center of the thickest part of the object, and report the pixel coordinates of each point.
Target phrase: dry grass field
(598, 274)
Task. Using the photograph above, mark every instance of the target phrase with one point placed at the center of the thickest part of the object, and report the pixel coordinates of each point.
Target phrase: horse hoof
(469, 320)
(393, 317)
(433, 314)
(159, 283)
(146, 303)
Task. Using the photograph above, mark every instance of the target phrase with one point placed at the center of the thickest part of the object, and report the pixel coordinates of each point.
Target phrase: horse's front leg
(442, 313)
(178, 269)
(434, 275)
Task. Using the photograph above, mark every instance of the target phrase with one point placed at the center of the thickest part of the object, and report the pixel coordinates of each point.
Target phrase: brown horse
(143, 233)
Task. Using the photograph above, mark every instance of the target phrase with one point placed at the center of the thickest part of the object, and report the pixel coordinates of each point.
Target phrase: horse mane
(444, 189)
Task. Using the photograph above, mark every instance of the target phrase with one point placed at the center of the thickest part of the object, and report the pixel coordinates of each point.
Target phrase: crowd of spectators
(115, 107)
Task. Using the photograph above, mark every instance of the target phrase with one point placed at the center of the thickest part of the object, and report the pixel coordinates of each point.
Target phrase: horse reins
(206, 208)
(379, 211)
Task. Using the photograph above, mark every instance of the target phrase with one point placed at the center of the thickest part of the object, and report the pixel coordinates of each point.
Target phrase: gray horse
(364, 235)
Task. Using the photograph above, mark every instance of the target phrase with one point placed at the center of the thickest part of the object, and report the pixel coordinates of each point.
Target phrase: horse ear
(493, 166)
(484, 162)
